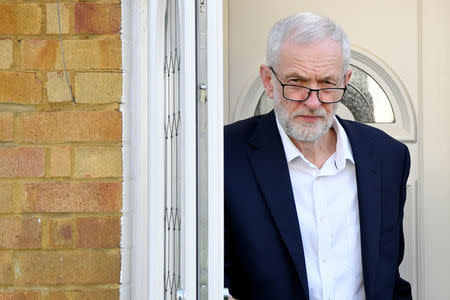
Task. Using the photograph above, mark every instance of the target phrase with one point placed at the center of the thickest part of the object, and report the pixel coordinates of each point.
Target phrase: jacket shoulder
(241, 131)
(370, 134)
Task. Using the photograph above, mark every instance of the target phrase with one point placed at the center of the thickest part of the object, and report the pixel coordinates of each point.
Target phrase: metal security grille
(172, 214)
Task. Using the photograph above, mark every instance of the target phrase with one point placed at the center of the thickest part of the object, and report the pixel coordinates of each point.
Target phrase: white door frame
(143, 150)
(215, 59)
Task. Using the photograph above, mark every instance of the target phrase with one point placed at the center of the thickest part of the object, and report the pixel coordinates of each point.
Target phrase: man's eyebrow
(297, 76)
(332, 78)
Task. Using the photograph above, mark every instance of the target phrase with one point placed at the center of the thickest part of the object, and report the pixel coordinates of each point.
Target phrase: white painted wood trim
(189, 144)
(413, 242)
(405, 127)
(143, 132)
(215, 149)
(226, 108)
(156, 121)
(135, 108)
(126, 241)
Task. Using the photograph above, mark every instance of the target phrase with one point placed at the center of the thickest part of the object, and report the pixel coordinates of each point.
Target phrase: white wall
(435, 108)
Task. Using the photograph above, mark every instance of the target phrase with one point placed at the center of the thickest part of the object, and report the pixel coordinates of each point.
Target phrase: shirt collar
(343, 148)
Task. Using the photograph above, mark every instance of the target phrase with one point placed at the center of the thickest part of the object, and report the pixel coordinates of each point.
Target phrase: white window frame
(143, 151)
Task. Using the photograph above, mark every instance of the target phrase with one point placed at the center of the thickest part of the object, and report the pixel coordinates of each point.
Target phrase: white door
(389, 43)
(172, 237)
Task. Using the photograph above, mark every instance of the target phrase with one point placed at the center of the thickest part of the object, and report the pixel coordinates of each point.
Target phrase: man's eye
(297, 81)
(329, 83)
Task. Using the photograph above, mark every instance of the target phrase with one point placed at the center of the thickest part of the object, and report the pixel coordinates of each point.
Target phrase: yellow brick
(17, 294)
(6, 53)
(96, 294)
(20, 233)
(67, 267)
(6, 126)
(40, 54)
(52, 18)
(98, 162)
(83, 294)
(98, 87)
(102, 1)
(60, 233)
(57, 87)
(102, 232)
(72, 126)
(5, 197)
(60, 162)
(57, 295)
(18, 87)
(93, 54)
(79, 54)
(72, 197)
(20, 18)
(6, 275)
(97, 18)
(22, 162)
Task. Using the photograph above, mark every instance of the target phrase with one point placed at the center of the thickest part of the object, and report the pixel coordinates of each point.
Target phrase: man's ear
(266, 76)
(348, 75)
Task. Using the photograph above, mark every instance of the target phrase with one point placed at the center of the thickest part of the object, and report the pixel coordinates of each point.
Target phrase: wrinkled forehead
(319, 50)
(319, 58)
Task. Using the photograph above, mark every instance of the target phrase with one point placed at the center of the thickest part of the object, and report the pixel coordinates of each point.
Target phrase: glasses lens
(295, 92)
(331, 95)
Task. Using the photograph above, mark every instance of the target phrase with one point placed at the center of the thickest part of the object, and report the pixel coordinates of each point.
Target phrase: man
(313, 203)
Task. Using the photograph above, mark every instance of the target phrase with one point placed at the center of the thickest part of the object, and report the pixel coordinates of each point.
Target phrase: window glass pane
(366, 100)
(172, 98)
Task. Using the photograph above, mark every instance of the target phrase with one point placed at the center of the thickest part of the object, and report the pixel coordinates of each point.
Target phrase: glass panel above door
(366, 100)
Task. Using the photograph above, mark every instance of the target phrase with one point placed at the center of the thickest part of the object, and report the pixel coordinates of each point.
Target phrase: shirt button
(324, 260)
(322, 218)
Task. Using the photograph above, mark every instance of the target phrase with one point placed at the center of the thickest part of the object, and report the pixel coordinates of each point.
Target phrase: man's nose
(312, 101)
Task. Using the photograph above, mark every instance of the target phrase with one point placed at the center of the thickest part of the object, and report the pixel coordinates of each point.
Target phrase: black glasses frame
(310, 90)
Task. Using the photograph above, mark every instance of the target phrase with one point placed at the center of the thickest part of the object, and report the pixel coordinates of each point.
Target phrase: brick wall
(60, 164)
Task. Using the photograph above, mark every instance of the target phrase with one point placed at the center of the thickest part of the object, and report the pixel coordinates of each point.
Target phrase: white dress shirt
(327, 209)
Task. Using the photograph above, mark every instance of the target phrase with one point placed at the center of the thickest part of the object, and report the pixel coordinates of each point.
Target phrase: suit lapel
(368, 178)
(269, 164)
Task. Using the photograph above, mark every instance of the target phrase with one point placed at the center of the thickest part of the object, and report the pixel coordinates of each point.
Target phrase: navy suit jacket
(264, 256)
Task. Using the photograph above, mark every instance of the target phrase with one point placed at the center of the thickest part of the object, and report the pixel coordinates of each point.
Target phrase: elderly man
(313, 203)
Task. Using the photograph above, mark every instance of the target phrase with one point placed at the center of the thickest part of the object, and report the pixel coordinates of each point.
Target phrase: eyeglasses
(300, 93)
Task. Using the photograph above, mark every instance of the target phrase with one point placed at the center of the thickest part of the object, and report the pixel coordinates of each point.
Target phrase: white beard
(303, 131)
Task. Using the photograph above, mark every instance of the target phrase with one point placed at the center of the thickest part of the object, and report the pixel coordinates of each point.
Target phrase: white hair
(304, 28)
